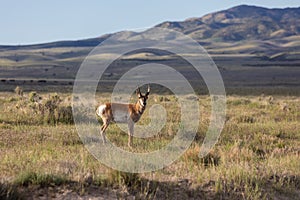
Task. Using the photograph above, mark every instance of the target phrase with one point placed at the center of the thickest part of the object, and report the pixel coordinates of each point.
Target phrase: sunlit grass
(257, 155)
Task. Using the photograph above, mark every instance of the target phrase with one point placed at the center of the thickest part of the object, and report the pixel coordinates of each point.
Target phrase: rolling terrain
(256, 156)
(253, 47)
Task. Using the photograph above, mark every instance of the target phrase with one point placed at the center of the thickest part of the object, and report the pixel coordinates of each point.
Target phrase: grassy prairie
(257, 155)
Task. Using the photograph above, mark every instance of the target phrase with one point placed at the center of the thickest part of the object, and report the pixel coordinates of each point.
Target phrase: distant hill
(241, 23)
(238, 24)
(243, 41)
(245, 29)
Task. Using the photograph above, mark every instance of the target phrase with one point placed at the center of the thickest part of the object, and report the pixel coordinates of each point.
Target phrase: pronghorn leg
(103, 128)
(130, 133)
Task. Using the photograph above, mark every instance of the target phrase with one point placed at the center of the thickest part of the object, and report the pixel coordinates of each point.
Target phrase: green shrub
(64, 114)
(33, 97)
(50, 110)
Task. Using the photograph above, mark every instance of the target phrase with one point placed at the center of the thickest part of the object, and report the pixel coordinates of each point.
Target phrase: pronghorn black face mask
(143, 98)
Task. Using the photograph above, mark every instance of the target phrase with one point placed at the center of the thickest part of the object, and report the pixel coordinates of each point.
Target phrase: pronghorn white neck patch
(141, 102)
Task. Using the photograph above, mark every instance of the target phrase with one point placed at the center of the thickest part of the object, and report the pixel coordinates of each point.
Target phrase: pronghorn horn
(148, 91)
(138, 91)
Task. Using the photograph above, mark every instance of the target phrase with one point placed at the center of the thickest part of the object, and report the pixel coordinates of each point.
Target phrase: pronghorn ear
(138, 92)
(148, 91)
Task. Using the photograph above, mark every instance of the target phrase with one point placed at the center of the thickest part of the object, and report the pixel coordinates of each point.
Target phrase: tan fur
(123, 113)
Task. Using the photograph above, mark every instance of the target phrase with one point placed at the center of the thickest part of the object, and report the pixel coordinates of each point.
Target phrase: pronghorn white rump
(123, 113)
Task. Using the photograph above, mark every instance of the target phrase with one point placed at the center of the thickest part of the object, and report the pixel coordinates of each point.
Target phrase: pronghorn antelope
(123, 113)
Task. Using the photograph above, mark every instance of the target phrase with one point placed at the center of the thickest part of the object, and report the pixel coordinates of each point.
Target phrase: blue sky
(36, 21)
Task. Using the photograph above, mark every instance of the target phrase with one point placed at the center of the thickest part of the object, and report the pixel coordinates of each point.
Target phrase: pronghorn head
(143, 98)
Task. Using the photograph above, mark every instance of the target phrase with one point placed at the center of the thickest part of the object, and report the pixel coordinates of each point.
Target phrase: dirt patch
(70, 192)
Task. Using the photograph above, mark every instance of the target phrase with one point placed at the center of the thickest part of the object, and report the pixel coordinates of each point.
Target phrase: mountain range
(241, 23)
(240, 39)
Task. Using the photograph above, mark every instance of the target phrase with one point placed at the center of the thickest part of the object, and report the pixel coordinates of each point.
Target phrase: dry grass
(257, 156)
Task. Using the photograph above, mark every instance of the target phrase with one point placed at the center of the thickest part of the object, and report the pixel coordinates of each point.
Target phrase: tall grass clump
(43, 180)
(50, 109)
(120, 178)
(19, 91)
